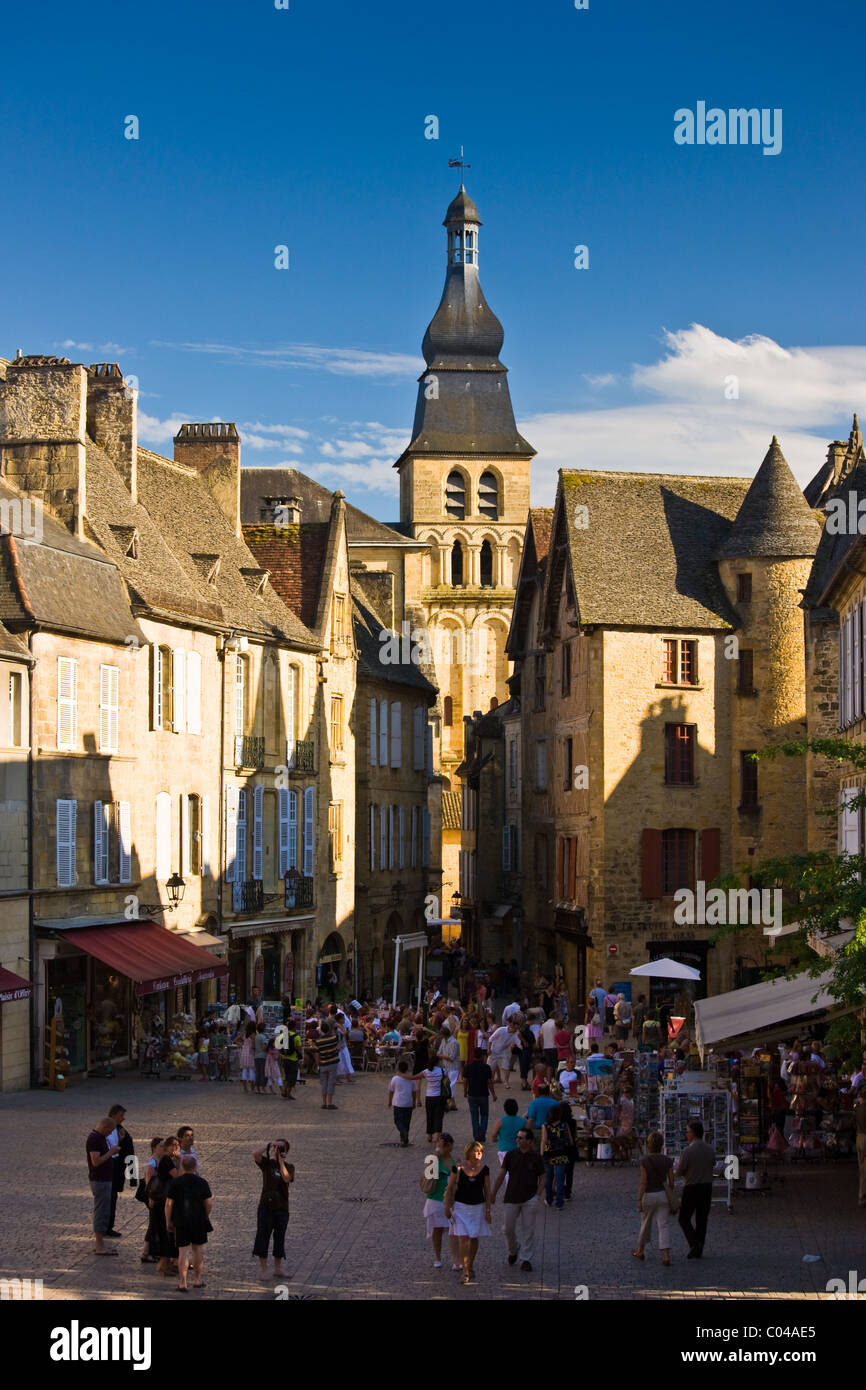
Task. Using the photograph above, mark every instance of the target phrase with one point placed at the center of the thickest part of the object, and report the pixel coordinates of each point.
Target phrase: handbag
(141, 1191)
(427, 1184)
(673, 1200)
(445, 1090)
(596, 1019)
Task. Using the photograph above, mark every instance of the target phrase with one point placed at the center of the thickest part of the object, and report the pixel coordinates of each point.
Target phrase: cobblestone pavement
(356, 1229)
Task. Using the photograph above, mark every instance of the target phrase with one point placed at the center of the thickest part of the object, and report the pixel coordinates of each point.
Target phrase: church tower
(464, 490)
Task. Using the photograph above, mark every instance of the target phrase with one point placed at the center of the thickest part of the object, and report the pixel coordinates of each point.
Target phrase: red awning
(153, 957)
(12, 987)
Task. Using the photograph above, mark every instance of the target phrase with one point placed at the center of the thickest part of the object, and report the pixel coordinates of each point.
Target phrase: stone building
(655, 649)
(15, 963)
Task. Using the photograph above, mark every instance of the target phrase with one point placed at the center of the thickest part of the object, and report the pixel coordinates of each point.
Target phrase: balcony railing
(249, 751)
(299, 892)
(248, 896)
(305, 756)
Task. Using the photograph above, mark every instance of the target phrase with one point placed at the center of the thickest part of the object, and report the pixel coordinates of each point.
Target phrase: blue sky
(305, 127)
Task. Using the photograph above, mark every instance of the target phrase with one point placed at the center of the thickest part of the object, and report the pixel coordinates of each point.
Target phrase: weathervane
(459, 164)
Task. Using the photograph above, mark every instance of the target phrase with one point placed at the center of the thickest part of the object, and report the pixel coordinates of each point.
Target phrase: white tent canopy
(667, 970)
(759, 1008)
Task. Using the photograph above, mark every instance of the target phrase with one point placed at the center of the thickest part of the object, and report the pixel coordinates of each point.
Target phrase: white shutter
(100, 842)
(429, 750)
(291, 704)
(850, 836)
(383, 733)
(185, 869)
(396, 734)
(193, 693)
(258, 806)
(156, 687)
(241, 841)
(284, 832)
(240, 711)
(205, 835)
(401, 837)
(418, 721)
(413, 859)
(292, 846)
(849, 662)
(373, 834)
(506, 848)
(383, 837)
(425, 839)
(309, 831)
(124, 838)
(373, 734)
(108, 692)
(163, 836)
(231, 833)
(178, 680)
(66, 813)
(67, 702)
(390, 837)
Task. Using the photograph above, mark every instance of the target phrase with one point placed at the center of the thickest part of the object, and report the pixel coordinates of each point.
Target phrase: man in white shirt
(510, 1010)
(548, 1046)
(448, 1054)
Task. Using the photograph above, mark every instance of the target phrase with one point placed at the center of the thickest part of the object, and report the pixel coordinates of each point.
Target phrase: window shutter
(651, 864)
(258, 830)
(413, 861)
(184, 836)
(383, 733)
(711, 854)
(291, 716)
(506, 848)
(373, 835)
(205, 835)
(292, 849)
(418, 724)
(572, 869)
(240, 697)
(373, 733)
(383, 838)
(401, 837)
(231, 833)
(163, 836)
(396, 734)
(66, 813)
(284, 832)
(155, 686)
(124, 840)
(560, 849)
(850, 832)
(309, 830)
(429, 750)
(193, 693)
(390, 837)
(425, 839)
(100, 842)
(67, 702)
(241, 861)
(108, 709)
(178, 680)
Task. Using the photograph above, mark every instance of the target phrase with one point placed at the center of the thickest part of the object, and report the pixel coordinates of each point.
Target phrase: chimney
(112, 419)
(43, 417)
(214, 451)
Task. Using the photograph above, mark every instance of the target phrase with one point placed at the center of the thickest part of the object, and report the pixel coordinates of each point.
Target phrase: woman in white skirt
(344, 1067)
(434, 1207)
(467, 1205)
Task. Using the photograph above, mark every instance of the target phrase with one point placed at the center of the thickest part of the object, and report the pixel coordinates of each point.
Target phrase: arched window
(455, 495)
(486, 560)
(448, 716)
(457, 565)
(488, 495)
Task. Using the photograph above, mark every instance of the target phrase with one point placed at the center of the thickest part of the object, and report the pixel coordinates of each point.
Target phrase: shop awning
(152, 956)
(762, 1008)
(12, 987)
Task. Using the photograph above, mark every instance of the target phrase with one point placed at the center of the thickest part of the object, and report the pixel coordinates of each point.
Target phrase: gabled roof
(838, 547)
(536, 544)
(775, 519)
(315, 500)
(644, 556)
(14, 647)
(452, 810)
(372, 647)
(295, 558)
(834, 474)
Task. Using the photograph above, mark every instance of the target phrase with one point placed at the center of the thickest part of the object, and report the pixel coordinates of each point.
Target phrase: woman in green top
(507, 1128)
(434, 1209)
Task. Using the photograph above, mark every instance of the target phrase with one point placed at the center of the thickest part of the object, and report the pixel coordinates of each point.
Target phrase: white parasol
(667, 969)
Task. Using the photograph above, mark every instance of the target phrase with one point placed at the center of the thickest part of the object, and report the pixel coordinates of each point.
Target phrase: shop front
(15, 994)
(272, 957)
(679, 994)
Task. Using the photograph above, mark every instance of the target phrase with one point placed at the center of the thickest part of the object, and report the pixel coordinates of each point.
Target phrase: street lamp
(174, 886)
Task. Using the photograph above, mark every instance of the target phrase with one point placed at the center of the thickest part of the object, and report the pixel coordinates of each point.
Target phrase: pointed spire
(775, 519)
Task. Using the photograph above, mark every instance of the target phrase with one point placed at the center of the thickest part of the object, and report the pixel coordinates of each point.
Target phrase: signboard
(289, 973)
(612, 950)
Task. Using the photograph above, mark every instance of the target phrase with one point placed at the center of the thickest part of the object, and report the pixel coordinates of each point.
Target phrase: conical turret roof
(775, 519)
(461, 209)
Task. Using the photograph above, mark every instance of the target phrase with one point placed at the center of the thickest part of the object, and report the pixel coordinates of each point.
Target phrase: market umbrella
(666, 969)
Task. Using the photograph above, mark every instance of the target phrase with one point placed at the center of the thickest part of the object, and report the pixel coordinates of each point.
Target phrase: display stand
(694, 1097)
(646, 1094)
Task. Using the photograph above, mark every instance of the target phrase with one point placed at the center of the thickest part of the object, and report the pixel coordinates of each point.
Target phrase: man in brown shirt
(695, 1167)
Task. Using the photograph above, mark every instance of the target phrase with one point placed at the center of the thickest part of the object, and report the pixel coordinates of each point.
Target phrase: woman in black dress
(161, 1241)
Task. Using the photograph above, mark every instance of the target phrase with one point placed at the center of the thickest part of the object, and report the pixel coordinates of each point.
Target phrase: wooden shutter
(156, 687)
(383, 838)
(185, 867)
(373, 838)
(849, 842)
(205, 835)
(258, 831)
(178, 681)
(100, 842)
(651, 864)
(390, 837)
(383, 733)
(396, 734)
(711, 854)
(291, 716)
(572, 869)
(67, 702)
(425, 839)
(401, 837)
(373, 734)
(560, 853)
(429, 750)
(108, 689)
(124, 842)
(413, 861)
(66, 815)
(231, 833)
(292, 854)
(284, 832)
(193, 693)
(418, 726)
(309, 831)
(506, 848)
(241, 861)
(163, 836)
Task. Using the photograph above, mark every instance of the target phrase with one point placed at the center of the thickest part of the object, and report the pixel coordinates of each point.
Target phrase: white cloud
(342, 361)
(605, 379)
(159, 431)
(804, 395)
(113, 348)
(291, 430)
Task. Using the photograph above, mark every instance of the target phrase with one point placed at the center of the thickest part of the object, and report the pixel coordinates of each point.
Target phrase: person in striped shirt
(327, 1050)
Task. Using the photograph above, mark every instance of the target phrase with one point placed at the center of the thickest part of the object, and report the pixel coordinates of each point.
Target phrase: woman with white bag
(656, 1198)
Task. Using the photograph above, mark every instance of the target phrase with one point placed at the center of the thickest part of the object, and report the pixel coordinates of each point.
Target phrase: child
(272, 1068)
(203, 1050)
(539, 1080)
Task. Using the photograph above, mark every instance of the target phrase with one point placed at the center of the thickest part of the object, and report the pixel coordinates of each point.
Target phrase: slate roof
(371, 648)
(836, 548)
(461, 209)
(295, 557)
(645, 557)
(452, 810)
(258, 483)
(536, 545)
(833, 475)
(12, 646)
(775, 518)
(60, 582)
